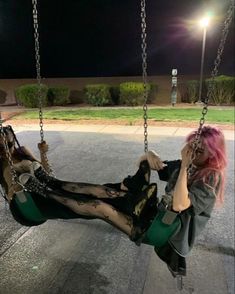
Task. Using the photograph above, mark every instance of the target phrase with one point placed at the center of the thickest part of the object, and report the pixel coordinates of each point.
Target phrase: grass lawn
(131, 115)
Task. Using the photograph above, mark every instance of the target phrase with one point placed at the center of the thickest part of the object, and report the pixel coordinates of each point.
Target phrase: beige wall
(77, 84)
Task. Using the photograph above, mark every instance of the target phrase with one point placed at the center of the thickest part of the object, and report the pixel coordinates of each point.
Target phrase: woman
(112, 196)
(192, 196)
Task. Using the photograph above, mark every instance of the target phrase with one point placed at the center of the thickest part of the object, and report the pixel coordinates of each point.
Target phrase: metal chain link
(38, 73)
(211, 85)
(38, 66)
(8, 155)
(144, 71)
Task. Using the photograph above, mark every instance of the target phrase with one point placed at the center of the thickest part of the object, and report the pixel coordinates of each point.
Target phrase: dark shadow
(3, 96)
(216, 249)
(80, 278)
(77, 96)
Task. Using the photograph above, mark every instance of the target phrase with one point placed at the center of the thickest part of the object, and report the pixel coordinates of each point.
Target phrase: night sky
(88, 38)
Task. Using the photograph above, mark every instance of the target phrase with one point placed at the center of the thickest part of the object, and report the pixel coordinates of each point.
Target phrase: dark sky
(80, 38)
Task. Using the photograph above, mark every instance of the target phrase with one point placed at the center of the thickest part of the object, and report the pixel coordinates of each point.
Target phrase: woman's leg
(89, 207)
(100, 210)
(134, 184)
(98, 191)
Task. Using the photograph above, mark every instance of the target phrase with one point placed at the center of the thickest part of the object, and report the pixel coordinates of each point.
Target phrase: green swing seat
(30, 209)
(159, 232)
(25, 208)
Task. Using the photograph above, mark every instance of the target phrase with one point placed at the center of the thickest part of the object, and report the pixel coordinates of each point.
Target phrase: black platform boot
(44, 177)
(140, 180)
(32, 185)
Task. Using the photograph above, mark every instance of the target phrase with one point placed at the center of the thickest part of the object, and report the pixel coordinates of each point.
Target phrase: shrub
(58, 95)
(77, 96)
(222, 90)
(183, 92)
(132, 93)
(27, 95)
(115, 94)
(153, 88)
(98, 94)
(193, 90)
(3, 96)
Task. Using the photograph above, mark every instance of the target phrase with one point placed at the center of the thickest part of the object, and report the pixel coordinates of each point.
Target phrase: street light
(204, 22)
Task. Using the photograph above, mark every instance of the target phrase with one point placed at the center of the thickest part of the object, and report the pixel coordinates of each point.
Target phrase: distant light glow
(204, 22)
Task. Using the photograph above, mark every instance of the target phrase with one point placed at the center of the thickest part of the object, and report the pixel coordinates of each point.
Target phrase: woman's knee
(93, 208)
(102, 210)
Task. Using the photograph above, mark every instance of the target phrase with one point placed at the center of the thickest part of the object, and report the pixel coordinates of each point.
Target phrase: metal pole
(202, 65)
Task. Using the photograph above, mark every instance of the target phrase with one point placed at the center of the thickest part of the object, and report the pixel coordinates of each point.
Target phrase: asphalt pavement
(80, 256)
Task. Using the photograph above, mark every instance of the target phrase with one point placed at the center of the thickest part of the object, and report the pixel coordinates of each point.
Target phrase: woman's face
(10, 143)
(201, 155)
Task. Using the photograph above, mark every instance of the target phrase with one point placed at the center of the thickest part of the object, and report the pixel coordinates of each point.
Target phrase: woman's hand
(43, 147)
(153, 159)
(186, 154)
(23, 166)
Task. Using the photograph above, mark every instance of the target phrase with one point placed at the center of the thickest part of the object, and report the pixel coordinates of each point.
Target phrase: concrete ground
(80, 256)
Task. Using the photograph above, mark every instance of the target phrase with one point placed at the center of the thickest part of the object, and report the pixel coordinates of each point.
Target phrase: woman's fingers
(154, 160)
(186, 154)
(43, 146)
(142, 158)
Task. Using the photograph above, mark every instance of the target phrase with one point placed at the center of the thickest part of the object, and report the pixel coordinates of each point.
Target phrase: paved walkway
(116, 129)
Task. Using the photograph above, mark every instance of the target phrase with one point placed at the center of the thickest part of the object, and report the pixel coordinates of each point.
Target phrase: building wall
(76, 85)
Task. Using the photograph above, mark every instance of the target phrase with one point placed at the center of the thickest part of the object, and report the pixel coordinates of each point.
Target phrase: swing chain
(38, 73)
(38, 66)
(8, 155)
(211, 84)
(144, 71)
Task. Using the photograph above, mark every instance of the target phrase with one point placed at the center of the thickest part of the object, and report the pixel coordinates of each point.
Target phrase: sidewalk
(116, 129)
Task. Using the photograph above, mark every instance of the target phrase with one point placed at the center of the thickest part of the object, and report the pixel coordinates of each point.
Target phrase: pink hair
(214, 168)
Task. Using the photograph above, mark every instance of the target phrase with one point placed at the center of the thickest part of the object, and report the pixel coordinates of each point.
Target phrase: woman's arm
(26, 151)
(153, 159)
(43, 148)
(181, 200)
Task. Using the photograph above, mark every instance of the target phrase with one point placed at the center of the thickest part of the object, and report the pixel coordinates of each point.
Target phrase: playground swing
(30, 209)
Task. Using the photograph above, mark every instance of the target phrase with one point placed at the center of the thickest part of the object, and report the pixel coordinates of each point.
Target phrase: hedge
(115, 94)
(77, 96)
(193, 90)
(153, 89)
(27, 95)
(3, 96)
(223, 90)
(58, 95)
(98, 94)
(183, 93)
(132, 93)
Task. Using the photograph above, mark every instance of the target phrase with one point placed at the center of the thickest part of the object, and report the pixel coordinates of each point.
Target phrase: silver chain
(8, 155)
(38, 66)
(38, 72)
(144, 71)
(211, 85)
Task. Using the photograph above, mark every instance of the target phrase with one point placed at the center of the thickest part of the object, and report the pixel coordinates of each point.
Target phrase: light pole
(204, 24)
